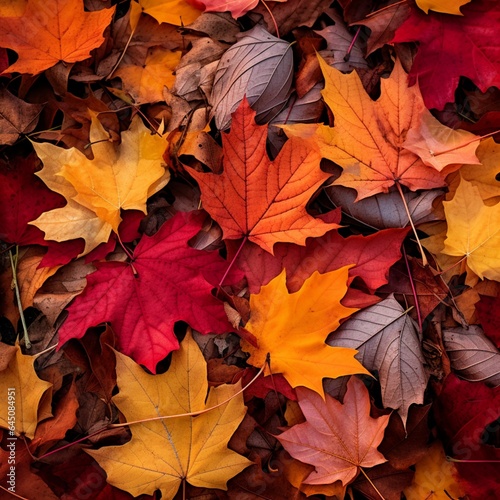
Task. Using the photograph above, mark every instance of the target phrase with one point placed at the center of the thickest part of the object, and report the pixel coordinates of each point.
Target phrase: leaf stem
(231, 264)
(424, 258)
(370, 481)
(272, 17)
(12, 493)
(353, 41)
(414, 290)
(15, 285)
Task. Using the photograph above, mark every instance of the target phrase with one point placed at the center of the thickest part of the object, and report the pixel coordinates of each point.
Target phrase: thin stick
(12, 493)
(424, 258)
(354, 38)
(272, 17)
(231, 264)
(414, 291)
(13, 265)
(370, 481)
(194, 413)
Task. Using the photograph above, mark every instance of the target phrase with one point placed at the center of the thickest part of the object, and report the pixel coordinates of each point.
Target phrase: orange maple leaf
(51, 31)
(260, 199)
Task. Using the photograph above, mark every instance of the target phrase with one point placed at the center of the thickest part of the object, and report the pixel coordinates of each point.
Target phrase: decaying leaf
(164, 453)
(292, 328)
(338, 439)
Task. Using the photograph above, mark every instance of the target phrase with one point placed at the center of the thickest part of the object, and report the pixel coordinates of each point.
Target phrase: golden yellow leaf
(434, 477)
(12, 8)
(367, 139)
(292, 328)
(145, 83)
(485, 175)
(119, 177)
(22, 391)
(444, 6)
(473, 231)
(177, 12)
(163, 453)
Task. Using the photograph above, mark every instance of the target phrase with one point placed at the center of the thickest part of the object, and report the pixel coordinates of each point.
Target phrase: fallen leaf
(120, 293)
(177, 12)
(488, 311)
(260, 67)
(51, 31)
(162, 454)
(16, 117)
(237, 8)
(387, 342)
(444, 6)
(259, 199)
(292, 328)
(23, 391)
(473, 231)
(373, 158)
(435, 477)
(472, 355)
(338, 439)
(451, 47)
(119, 177)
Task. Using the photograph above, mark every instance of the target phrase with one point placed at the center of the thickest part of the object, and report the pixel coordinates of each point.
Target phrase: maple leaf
(444, 6)
(262, 200)
(144, 321)
(292, 328)
(177, 12)
(338, 439)
(24, 391)
(119, 177)
(162, 454)
(367, 139)
(51, 31)
(237, 8)
(451, 47)
(473, 231)
(388, 343)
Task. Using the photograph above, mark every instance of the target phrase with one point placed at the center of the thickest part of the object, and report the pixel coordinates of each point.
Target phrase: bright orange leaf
(51, 31)
(261, 199)
(292, 328)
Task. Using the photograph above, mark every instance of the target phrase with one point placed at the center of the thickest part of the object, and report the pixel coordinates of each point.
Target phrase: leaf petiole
(15, 286)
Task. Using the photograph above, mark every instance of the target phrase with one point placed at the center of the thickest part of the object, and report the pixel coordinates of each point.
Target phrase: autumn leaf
(388, 343)
(338, 439)
(51, 31)
(444, 6)
(451, 47)
(164, 453)
(292, 328)
(473, 231)
(259, 199)
(119, 177)
(367, 139)
(121, 293)
(177, 12)
(237, 7)
(20, 381)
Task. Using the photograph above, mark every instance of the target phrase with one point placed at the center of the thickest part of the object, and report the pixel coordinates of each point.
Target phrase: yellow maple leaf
(444, 6)
(367, 139)
(119, 177)
(22, 392)
(177, 12)
(292, 328)
(434, 477)
(145, 82)
(163, 453)
(473, 231)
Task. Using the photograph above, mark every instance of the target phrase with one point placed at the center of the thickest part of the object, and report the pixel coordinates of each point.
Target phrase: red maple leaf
(167, 281)
(451, 47)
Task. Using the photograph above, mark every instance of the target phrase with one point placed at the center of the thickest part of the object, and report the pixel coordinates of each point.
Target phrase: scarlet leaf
(144, 321)
(263, 200)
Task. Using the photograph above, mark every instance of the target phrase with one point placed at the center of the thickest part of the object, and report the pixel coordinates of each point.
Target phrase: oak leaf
(51, 31)
(20, 381)
(262, 200)
(473, 231)
(292, 328)
(388, 343)
(338, 439)
(452, 47)
(164, 453)
(144, 321)
(119, 177)
(444, 6)
(367, 139)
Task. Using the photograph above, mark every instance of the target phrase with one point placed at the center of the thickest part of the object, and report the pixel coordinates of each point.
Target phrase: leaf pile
(249, 249)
